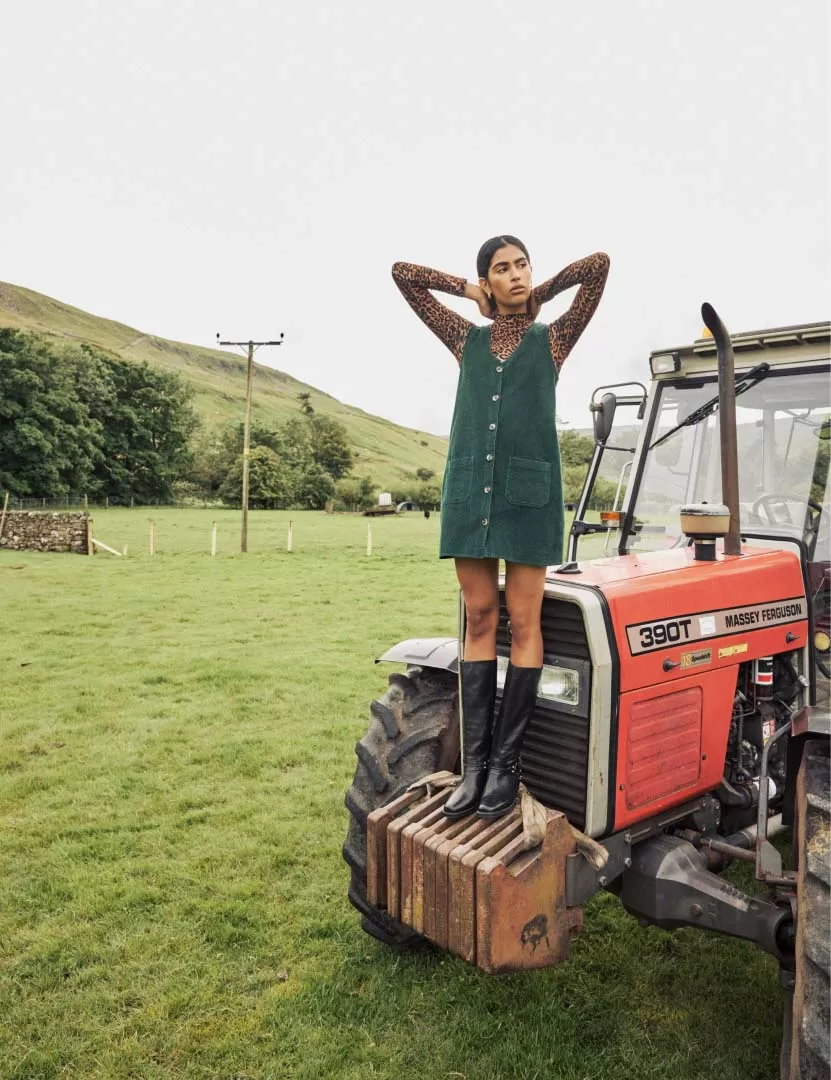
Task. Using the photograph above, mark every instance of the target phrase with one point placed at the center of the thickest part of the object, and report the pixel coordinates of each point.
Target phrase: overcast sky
(252, 167)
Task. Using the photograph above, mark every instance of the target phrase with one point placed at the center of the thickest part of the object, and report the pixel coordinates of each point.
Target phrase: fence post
(3, 518)
(213, 539)
(90, 545)
(152, 537)
(290, 540)
(369, 539)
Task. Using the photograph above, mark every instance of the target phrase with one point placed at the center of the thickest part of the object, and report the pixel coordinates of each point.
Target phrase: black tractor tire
(413, 731)
(810, 1057)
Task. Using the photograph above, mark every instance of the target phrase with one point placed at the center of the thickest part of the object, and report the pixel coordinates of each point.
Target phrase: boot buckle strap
(510, 767)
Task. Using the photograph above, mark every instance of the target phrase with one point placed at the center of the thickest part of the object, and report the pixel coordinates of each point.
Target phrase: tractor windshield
(784, 437)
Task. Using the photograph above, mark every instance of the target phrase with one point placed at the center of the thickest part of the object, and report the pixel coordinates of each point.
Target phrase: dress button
(499, 370)
(484, 521)
(487, 491)
(489, 457)
(492, 427)
(495, 397)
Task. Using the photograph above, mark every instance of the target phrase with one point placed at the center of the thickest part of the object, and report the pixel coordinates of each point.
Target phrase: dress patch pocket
(529, 482)
(458, 478)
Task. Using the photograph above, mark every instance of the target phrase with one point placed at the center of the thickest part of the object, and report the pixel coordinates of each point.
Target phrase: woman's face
(509, 278)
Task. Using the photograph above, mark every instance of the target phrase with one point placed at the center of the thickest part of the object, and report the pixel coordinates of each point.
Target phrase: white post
(213, 539)
(104, 547)
(125, 549)
(369, 539)
(290, 540)
(152, 537)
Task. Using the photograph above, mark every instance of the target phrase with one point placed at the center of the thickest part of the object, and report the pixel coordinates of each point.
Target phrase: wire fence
(82, 502)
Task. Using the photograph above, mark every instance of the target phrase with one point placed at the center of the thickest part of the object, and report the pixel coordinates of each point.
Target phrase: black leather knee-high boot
(515, 710)
(478, 698)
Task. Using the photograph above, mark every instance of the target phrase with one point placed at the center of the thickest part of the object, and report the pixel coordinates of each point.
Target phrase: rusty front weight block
(471, 886)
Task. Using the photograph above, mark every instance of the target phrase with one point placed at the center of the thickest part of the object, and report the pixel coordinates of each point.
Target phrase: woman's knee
(482, 619)
(525, 626)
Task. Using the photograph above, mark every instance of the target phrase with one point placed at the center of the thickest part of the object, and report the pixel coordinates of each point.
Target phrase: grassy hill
(386, 451)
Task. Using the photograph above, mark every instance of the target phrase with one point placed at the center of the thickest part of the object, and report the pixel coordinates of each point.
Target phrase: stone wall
(43, 530)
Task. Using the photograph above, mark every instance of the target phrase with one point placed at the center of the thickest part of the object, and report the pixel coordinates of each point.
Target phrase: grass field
(176, 737)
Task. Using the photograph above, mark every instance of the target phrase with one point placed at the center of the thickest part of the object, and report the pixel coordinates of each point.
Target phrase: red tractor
(683, 712)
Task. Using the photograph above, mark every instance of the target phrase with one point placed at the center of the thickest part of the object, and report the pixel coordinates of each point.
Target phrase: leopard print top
(415, 282)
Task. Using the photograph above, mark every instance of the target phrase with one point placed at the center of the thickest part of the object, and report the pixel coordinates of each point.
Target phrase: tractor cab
(660, 450)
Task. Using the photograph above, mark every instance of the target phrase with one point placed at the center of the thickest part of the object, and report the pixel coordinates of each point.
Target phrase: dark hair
(489, 249)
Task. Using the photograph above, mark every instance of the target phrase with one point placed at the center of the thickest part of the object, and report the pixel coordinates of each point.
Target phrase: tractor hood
(670, 612)
(617, 568)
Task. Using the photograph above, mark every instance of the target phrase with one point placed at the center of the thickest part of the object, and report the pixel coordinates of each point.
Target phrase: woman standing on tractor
(502, 489)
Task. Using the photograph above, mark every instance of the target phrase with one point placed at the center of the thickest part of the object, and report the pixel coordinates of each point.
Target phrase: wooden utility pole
(252, 347)
(246, 446)
(3, 517)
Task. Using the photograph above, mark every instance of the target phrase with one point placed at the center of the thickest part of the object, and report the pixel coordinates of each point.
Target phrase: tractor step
(472, 886)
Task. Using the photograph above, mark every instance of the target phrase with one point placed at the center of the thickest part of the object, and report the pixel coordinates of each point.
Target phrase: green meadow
(176, 738)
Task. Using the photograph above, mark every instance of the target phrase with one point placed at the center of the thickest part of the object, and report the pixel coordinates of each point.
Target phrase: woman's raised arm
(415, 283)
(590, 274)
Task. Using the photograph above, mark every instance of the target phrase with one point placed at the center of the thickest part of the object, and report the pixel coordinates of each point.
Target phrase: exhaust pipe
(727, 426)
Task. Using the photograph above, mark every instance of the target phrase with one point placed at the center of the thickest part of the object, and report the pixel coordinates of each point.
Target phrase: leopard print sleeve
(415, 283)
(590, 274)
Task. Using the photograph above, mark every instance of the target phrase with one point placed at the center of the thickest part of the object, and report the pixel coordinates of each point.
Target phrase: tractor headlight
(665, 364)
(558, 682)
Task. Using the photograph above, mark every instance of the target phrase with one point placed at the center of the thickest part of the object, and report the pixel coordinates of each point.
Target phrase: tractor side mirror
(603, 417)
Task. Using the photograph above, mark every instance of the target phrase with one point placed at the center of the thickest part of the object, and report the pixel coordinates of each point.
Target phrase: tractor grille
(555, 750)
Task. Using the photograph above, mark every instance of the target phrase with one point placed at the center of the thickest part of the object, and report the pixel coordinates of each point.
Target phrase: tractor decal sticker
(732, 650)
(685, 629)
(693, 659)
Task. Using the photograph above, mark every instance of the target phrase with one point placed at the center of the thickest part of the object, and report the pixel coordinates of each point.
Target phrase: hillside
(386, 452)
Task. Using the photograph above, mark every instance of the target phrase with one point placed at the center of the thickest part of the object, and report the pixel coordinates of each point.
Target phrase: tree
(425, 474)
(271, 483)
(307, 446)
(575, 449)
(306, 403)
(74, 419)
(428, 496)
(603, 492)
(294, 443)
(356, 492)
(210, 463)
(314, 488)
(147, 417)
(330, 445)
(49, 442)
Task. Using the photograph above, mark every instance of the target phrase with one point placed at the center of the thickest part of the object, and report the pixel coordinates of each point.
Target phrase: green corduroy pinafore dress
(502, 494)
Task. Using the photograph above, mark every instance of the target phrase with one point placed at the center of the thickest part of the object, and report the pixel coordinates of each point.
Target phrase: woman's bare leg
(524, 587)
(478, 579)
